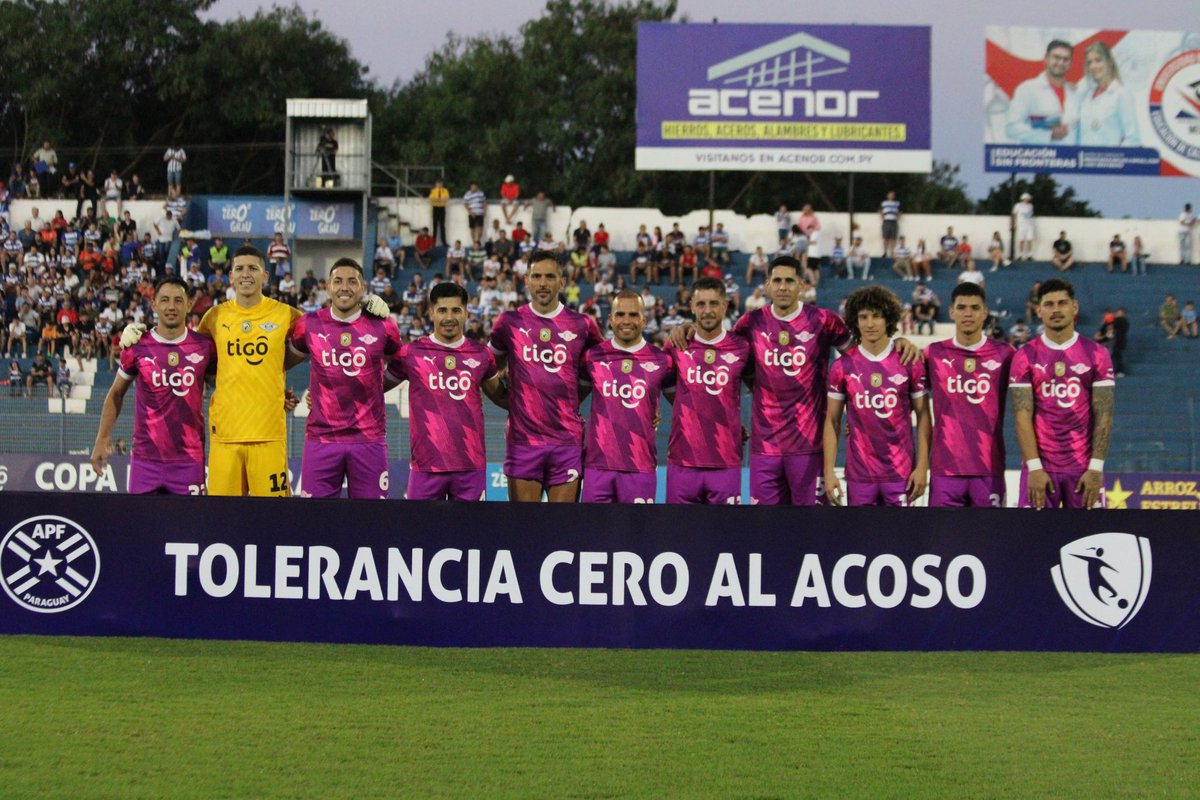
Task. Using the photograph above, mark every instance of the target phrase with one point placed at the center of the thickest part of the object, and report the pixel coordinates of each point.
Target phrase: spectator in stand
(113, 193)
(423, 248)
(837, 258)
(857, 258)
(69, 187)
(643, 263)
(40, 371)
(1187, 223)
(476, 257)
(167, 229)
(380, 280)
(600, 239)
(995, 251)
(970, 274)
(757, 299)
(439, 196)
(15, 376)
(520, 237)
(1031, 303)
(966, 254)
(1022, 225)
(384, 259)
(783, 223)
(606, 261)
(134, 190)
(1115, 333)
(719, 241)
(948, 253)
(510, 198)
(1019, 333)
(925, 311)
(1138, 256)
(89, 193)
(456, 261)
(1116, 254)
(889, 214)
(17, 337)
(475, 202)
(1063, 257)
(1169, 317)
(218, 254)
(174, 157)
(1187, 321)
(45, 161)
(539, 213)
(279, 256)
(688, 262)
(903, 264)
(797, 245)
(757, 264)
(502, 249)
(62, 378)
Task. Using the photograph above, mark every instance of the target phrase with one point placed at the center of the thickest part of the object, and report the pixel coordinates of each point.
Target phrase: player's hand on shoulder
(681, 335)
(909, 352)
(132, 334)
(374, 305)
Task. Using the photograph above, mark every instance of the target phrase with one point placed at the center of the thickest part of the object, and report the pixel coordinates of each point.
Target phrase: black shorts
(891, 229)
(475, 221)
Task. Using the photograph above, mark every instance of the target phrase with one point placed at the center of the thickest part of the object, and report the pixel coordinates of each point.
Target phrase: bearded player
(446, 373)
(168, 367)
(542, 345)
(967, 376)
(704, 454)
(345, 438)
(879, 394)
(626, 376)
(1062, 391)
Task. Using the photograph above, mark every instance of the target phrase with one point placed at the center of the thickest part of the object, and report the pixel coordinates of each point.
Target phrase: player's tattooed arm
(1103, 399)
(1038, 481)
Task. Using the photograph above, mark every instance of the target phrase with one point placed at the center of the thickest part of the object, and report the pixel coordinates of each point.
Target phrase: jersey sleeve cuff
(1104, 383)
(1025, 385)
(836, 396)
(124, 374)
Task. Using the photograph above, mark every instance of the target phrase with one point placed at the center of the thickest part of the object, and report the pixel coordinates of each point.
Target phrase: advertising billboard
(238, 216)
(1092, 102)
(789, 98)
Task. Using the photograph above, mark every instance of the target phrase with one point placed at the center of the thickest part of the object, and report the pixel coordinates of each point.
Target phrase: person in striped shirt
(476, 203)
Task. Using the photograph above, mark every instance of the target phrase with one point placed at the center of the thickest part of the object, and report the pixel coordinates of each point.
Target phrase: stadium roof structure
(319, 108)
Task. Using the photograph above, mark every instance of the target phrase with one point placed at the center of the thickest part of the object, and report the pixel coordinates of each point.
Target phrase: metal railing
(404, 180)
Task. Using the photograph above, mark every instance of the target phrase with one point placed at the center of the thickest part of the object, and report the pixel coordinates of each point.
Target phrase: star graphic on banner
(1117, 496)
(48, 563)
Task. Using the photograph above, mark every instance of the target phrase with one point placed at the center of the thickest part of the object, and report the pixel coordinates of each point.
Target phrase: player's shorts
(548, 464)
(248, 469)
(787, 480)
(1024, 232)
(703, 486)
(165, 477)
(891, 229)
(610, 486)
(468, 485)
(890, 494)
(362, 465)
(1062, 492)
(977, 491)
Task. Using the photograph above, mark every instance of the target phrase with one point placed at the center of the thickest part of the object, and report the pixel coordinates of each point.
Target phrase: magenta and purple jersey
(1062, 377)
(967, 386)
(168, 425)
(626, 385)
(878, 392)
(791, 360)
(445, 406)
(706, 418)
(347, 358)
(544, 356)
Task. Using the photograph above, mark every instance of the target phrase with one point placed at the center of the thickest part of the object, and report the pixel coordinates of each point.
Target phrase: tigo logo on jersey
(48, 564)
(1104, 578)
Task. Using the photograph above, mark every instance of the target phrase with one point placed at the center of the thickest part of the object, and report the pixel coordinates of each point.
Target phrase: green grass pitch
(132, 718)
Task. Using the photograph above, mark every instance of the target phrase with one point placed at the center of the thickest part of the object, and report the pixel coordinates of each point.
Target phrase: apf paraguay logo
(1104, 578)
(48, 564)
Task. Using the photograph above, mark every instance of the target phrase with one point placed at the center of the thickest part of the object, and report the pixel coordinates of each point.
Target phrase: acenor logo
(1104, 578)
(48, 564)
(795, 59)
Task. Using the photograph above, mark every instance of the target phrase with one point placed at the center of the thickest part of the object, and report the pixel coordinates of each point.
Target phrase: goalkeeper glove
(132, 334)
(373, 304)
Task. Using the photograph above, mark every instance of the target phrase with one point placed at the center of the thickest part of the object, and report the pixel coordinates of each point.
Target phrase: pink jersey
(445, 407)
(544, 354)
(878, 392)
(168, 424)
(626, 385)
(968, 386)
(348, 359)
(706, 418)
(1062, 377)
(791, 360)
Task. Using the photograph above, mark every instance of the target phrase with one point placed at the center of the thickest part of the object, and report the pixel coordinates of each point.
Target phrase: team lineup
(913, 421)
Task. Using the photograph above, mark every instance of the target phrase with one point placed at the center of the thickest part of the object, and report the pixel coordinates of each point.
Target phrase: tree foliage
(1049, 198)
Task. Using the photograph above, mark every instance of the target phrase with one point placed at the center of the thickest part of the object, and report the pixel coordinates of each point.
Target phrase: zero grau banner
(614, 576)
(1092, 102)
(791, 98)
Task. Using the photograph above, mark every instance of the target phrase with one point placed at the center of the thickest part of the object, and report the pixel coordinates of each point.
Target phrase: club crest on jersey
(450, 362)
(627, 365)
(567, 336)
(173, 359)
(1079, 369)
(247, 326)
(805, 336)
(268, 326)
(649, 367)
(729, 358)
(969, 365)
(346, 339)
(784, 338)
(992, 364)
(368, 339)
(472, 363)
(710, 356)
(876, 379)
(194, 358)
(544, 334)
(1060, 369)
(898, 379)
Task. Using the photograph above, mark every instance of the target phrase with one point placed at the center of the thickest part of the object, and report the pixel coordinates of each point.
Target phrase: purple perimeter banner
(790, 98)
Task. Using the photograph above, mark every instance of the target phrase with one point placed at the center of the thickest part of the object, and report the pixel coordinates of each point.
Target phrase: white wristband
(1096, 465)
(1033, 464)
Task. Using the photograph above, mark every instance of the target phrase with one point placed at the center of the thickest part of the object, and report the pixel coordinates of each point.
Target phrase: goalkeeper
(247, 423)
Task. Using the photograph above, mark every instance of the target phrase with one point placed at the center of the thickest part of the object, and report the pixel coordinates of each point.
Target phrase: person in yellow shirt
(439, 195)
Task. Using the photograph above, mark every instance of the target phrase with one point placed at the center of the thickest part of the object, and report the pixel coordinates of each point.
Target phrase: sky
(393, 40)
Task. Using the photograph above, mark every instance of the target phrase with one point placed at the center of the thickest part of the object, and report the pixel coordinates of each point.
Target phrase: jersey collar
(790, 316)
(158, 338)
(710, 342)
(972, 347)
(887, 351)
(636, 348)
(1065, 345)
(551, 315)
